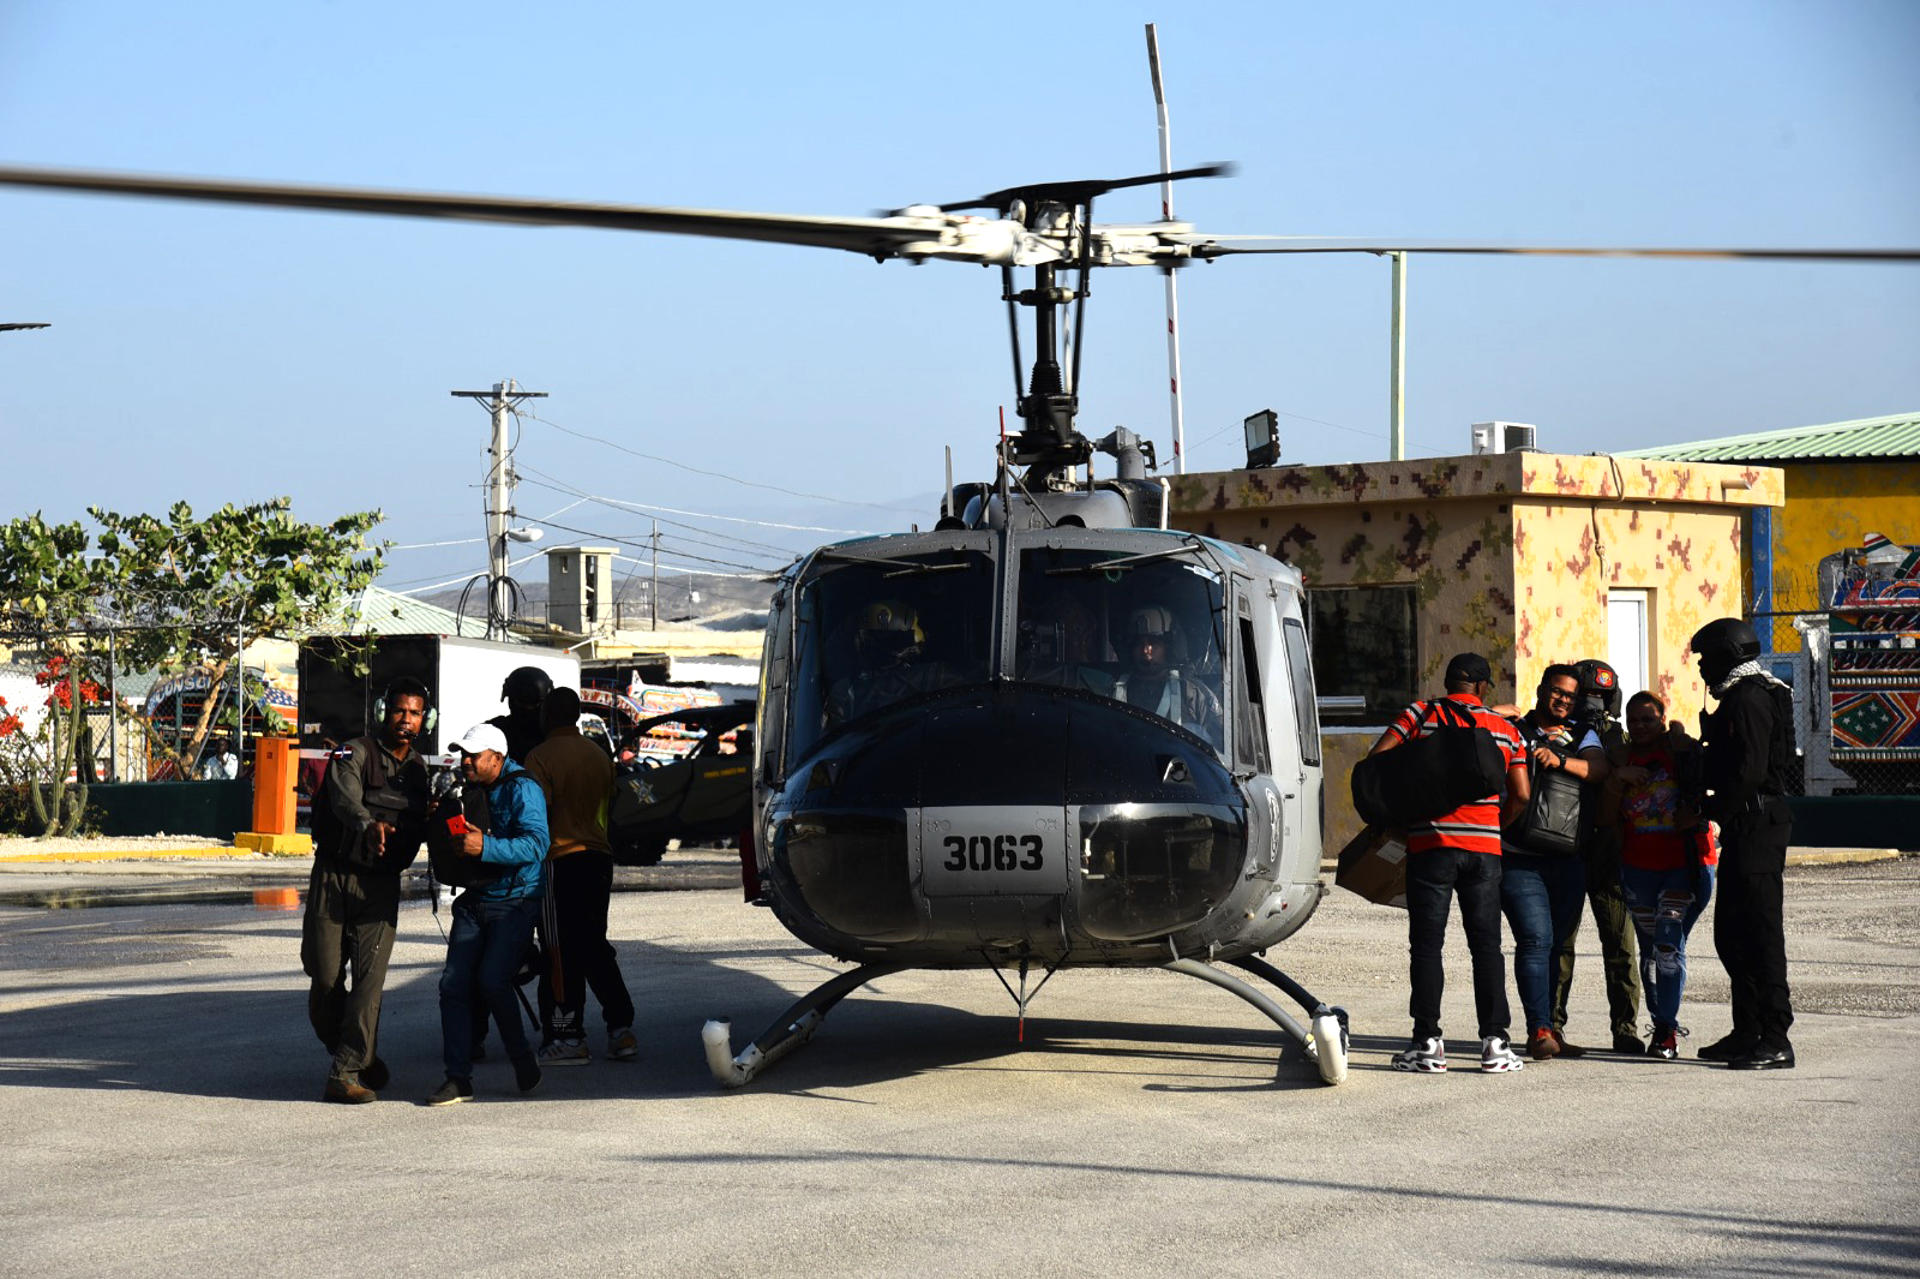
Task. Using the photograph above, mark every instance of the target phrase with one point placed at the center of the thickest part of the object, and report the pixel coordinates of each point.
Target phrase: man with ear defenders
(368, 822)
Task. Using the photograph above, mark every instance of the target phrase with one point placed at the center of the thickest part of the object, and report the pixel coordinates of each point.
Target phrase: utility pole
(1397, 393)
(501, 402)
(653, 592)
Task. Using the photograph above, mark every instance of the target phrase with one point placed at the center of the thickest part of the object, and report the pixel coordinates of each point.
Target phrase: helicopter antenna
(1173, 291)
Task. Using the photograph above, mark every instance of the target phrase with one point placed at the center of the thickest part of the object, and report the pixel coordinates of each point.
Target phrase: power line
(718, 475)
(623, 508)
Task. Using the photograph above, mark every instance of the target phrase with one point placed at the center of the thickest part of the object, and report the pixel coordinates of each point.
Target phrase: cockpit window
(1144, 629)
(876, 628)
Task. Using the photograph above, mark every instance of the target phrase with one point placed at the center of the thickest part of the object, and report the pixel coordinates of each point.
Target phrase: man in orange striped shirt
(1459, 852)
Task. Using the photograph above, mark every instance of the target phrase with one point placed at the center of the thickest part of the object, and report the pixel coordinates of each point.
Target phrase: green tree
(195, 589)
(49, 588)
(178, 590)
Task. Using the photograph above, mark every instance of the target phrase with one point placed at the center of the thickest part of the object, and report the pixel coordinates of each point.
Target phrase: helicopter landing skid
(1325, 1044)
(792, 1029)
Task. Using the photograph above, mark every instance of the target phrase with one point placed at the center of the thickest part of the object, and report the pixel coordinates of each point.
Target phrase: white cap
(482, 737)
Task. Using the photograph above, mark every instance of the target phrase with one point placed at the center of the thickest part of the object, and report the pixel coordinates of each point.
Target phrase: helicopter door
(994, 850)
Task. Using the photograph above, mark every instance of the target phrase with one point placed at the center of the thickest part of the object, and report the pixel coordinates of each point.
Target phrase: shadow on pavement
(206, 1035)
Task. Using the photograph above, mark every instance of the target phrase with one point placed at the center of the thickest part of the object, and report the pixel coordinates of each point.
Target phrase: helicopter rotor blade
(1079, 192)
(1208, 247)
(918, 233)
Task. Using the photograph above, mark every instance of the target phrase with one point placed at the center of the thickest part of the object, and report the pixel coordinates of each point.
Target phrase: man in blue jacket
(493, 920)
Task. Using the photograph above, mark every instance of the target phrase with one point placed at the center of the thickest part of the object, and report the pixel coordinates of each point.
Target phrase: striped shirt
(1474, 826)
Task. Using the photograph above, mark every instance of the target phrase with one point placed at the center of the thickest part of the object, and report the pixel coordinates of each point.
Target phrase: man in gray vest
(368, 822)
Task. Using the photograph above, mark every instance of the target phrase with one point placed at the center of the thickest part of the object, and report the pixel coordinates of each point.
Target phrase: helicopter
(1050, 732)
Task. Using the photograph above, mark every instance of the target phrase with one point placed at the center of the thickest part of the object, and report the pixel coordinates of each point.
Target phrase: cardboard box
(1374, 865)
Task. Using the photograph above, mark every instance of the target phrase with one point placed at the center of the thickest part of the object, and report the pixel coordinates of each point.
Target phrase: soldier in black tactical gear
(1599, 707)
(368, 821)
(524, 691)
(1749, 751)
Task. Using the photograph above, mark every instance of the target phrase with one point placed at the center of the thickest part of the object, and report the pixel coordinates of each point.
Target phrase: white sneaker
(621, 1044)
(1425, 1057)
(565, 1052)
(1497, 1056)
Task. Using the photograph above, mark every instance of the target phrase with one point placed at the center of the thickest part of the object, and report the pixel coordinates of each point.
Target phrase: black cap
(1469, 668)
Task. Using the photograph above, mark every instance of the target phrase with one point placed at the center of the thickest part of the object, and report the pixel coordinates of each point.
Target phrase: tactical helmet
(1599, 688)
(1726, 637)
(525, 684)
(1722, 645)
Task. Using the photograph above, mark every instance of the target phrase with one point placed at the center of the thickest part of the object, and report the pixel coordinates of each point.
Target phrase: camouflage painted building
(1529, 558)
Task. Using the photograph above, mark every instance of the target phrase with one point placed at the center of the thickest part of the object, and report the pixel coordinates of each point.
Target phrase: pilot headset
(420, 690)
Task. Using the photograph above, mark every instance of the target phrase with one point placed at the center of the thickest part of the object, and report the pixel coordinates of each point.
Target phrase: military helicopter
(1051, 732)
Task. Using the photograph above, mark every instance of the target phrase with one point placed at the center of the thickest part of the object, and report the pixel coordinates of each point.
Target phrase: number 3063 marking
(993, 852)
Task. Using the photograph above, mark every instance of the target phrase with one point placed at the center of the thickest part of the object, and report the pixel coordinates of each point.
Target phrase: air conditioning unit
(1503, 437)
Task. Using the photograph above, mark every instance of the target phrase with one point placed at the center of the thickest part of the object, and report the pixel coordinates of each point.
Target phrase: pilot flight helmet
(1723, 644)
(888, 631)
(1153, 621)
(1599, 690)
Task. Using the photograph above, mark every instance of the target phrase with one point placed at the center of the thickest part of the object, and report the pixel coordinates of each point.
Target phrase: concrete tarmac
(161, 1116)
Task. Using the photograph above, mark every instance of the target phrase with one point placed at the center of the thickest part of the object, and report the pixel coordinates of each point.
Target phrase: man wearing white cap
(493, 920)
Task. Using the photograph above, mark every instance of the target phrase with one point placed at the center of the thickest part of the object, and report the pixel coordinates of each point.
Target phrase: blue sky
(225, 355)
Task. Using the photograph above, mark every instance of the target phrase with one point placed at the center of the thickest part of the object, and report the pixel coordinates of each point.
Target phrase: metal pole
(501, 402)
(497, 602)
(1173, 290)
(113, 710)
(653, 592)
(1397, 410)
(240, 691)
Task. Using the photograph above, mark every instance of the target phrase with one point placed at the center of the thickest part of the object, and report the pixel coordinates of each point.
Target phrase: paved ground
(160, 1118)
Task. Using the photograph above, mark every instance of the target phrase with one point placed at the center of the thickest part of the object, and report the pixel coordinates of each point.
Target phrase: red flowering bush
(54, 676)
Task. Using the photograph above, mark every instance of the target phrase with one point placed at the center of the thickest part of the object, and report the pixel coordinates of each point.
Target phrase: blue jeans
(484, 950)
(1665, 904)
(1542, 898)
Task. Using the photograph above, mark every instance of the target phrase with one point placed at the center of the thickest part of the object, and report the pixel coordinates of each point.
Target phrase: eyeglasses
(1560, 695)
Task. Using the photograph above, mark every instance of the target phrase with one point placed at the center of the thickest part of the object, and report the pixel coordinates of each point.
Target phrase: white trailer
(340, 682)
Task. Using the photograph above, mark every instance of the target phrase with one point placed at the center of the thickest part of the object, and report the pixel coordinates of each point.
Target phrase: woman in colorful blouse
(1667, 855)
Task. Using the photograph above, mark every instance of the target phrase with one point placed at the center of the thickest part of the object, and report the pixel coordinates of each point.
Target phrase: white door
(1628, 615)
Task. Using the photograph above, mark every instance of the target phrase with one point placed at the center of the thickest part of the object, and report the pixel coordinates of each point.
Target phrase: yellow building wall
(1832, 506)
(1570, 555)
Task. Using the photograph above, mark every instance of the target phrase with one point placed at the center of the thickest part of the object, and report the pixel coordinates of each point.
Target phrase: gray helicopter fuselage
(1003, 780)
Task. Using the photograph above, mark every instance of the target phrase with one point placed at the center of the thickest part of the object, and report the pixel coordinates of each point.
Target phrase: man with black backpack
(368, 820)
(1458, 852)
(1749, 750)
(1543, 881)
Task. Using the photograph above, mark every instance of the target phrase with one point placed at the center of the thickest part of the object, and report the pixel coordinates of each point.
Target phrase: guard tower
(580, 588)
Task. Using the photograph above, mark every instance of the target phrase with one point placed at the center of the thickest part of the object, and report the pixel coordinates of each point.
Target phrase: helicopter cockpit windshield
(878, 629)
(1139, 629)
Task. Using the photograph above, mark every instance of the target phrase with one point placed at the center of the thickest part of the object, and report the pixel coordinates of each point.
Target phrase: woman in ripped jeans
(1666, 874)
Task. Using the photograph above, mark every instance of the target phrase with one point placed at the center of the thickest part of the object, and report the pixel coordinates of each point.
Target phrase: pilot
(1156, 679)
(890, 655)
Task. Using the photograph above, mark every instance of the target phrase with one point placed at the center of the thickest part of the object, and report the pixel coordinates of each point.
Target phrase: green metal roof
(390, 613)
(1897, 435)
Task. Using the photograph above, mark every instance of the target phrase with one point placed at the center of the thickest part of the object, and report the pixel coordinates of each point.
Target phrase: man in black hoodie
(1749, 749)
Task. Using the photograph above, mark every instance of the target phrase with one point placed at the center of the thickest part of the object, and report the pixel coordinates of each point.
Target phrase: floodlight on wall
(1263, 439)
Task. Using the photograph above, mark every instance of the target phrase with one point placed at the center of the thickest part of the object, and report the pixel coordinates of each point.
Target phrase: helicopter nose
(977, 800)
